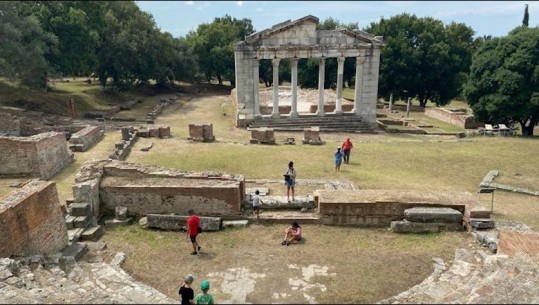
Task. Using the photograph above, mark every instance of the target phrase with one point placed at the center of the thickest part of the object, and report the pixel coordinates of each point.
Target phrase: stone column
(340, 72)
(256, 78)
(359, 84)
(321, 79)
(275, 112)
(294, 111)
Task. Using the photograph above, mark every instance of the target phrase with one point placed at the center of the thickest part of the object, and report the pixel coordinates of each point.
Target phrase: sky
(495, 18)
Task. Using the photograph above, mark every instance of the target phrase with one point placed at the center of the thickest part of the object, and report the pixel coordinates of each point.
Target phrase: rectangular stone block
(481, 223)
(92, 234)
(76, 250)
(404, 226)
(69, 222)
(164, 132)
(235, 223)
(81, 222)
(426, 214)
(153, 132)
(177, 222)
(80, 209)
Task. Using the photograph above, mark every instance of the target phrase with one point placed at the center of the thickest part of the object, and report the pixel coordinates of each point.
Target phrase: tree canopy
(214, 44)
(423, 58)
(503, 86)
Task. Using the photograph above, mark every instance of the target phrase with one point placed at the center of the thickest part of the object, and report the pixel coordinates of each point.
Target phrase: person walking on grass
(193, 223)
(292, 233)
(346, 149)
(187, 293)
(256, 203)
(204, 297)
(338, 159)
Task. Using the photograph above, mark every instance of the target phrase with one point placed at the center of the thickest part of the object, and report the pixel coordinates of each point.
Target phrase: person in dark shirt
(186, 292)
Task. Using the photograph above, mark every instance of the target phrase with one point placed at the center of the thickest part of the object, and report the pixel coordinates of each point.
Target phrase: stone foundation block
(425, 214)
(76, 250)
(164, 132)
(177, 222)
(81, 222)
(235, 223)
(153, 132)
(80, 209)
(201, 132)
(92, 234)
(481, 223)
(113, 222)
(263, 135)
(69, 222)
(404, 226)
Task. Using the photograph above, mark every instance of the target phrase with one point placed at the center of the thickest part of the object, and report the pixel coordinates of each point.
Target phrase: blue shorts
(290, 182)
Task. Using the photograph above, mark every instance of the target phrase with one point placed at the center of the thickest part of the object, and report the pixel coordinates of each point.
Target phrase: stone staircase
(345, 122)
(66, 278)
(81, 223)
(476, 277)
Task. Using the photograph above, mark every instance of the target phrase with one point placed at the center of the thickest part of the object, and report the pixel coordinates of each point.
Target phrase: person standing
(346, 149)
(193, 223)
(204, 297)
(186, 292)
(256, 203)
(338, 159)
(290, 180)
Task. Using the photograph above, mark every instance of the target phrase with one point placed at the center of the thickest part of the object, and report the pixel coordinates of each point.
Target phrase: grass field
(363, 265)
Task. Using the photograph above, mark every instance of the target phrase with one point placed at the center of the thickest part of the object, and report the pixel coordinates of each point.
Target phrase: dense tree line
(423, 58)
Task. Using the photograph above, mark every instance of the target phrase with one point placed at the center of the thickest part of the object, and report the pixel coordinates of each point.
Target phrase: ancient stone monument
(201, 132)
(300, 39)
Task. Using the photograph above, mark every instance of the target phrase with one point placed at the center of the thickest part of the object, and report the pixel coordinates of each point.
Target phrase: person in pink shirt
(193, 223)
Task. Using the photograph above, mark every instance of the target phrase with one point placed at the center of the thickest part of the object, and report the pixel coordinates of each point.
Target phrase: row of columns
(321, 79)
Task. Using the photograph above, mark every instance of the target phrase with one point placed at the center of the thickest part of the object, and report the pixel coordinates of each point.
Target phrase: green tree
(214, 45)
(23, 47)
(504, 80)
(526, 17)
(423, 58)
(77, 40)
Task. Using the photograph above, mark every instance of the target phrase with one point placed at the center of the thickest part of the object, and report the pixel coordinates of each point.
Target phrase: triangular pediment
(282, 27)
(302, 32)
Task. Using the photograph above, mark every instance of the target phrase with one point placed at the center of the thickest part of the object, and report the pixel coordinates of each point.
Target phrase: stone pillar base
(294, 114)
(320, 113)
(275, 115)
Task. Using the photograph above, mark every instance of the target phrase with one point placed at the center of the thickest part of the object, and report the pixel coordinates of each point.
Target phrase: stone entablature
(300, 39)
(152, 189)
(42, 155)
(378, 208)
(31, 221)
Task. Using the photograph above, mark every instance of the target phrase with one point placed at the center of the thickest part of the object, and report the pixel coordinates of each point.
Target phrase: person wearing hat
(338, 159)
(186, 292)
(204, 297)
(193, 223)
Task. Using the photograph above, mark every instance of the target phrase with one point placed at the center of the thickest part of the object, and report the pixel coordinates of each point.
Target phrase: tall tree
(214, 44)
(526, 17)
(423, 58)
(504, 80)
(24, 46)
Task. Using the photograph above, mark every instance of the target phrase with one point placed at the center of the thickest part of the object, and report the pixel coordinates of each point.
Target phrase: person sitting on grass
(292, 233)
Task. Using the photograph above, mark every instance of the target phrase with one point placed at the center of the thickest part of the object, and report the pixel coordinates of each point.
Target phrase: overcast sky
(494, 18)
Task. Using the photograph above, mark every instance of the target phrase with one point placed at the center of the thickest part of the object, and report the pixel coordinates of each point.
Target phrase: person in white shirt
(256, 203)
(290, 180)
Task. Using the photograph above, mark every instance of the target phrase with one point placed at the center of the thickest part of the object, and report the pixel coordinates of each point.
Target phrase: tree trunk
(233, 83)
(220, 79)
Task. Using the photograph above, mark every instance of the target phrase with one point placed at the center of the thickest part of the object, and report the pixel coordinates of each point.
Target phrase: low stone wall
(378, 208)
(31, 221)
(42, 155)
(106, 184)
(176, 222)
(331, 108)
(85, 138)
(10, 125)
(201, 132)
(459, 118)
(263, 136)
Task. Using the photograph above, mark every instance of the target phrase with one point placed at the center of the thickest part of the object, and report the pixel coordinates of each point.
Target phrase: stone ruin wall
(31, 221)
(85, 138)
(151, 189)
(9, 125)
(42, 155)
(377, 208)
(463, 120)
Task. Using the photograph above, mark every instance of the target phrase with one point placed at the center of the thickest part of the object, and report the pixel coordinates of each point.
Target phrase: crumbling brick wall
(461, 119)
(85, 138)
(42, 155)
(9, 125)
(31, 221)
